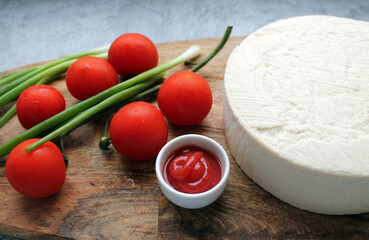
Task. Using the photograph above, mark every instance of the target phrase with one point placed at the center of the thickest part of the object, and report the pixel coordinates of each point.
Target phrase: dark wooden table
(106, 196)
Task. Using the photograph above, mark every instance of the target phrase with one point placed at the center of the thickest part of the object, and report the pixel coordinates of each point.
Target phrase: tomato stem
(106, 126)
(215, 51)
(190, 63)
(104, 142)
(63, 151)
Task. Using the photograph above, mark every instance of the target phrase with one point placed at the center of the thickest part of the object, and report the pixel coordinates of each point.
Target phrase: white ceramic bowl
(197, 200)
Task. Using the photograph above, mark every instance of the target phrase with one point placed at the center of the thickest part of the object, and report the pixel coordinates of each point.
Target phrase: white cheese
(297, 112)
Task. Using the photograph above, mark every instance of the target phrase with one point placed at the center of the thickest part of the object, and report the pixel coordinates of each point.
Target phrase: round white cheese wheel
(297, 112)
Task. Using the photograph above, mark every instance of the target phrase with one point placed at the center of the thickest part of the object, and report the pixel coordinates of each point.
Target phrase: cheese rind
(296, 112)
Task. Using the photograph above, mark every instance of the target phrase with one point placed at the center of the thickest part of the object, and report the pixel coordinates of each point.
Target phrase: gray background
(34, 31)
(39, 30)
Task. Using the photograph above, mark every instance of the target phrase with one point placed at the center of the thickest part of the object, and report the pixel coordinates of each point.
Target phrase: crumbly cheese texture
(297, 93)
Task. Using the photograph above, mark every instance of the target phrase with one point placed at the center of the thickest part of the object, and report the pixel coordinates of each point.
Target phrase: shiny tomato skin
(89, 76)
(132, 53)
(37, 174)
(138, 131)
(185, 98)
(38, 103)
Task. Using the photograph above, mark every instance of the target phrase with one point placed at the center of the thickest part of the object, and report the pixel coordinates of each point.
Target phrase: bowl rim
(178, 140)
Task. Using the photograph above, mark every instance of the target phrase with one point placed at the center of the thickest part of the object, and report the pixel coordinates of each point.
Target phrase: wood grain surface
(106, 196)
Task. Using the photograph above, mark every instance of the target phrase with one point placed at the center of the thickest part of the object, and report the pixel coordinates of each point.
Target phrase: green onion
(214, 52)
(192, 52)
(16, 82)
(14, 75)
(34, 74)
(8, 115)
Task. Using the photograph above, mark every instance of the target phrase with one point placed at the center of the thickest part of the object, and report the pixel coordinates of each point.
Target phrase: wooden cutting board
(106, 196)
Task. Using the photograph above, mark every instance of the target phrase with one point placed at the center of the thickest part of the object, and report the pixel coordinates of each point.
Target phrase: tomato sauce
(192, 170)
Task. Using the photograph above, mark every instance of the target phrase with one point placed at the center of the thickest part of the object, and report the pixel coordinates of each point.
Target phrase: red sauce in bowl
(192, 170)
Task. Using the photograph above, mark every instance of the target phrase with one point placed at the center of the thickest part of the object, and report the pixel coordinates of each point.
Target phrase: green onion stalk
(142, 81)
(15, 83)
(8, 115)
(15, 75)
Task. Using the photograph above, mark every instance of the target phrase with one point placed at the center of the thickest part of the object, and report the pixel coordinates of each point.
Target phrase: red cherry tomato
(89, 76)
(138, 131)
(185, 98)
(38, 103)
(132, 53)
(37, 174)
